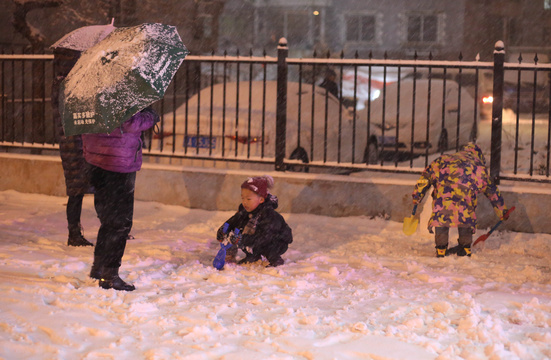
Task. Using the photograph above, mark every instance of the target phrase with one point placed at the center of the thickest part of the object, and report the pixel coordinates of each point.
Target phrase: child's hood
(272, 201)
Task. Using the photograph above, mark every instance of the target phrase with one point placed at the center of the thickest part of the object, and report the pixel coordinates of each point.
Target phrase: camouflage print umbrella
(119, 76)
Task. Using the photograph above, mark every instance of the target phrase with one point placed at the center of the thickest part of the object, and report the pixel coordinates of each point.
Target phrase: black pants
(442, 234)
(74, 209)
(272, 251)
(114, 203)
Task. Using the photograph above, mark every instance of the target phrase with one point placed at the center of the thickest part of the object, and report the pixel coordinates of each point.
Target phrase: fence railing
(322, 113)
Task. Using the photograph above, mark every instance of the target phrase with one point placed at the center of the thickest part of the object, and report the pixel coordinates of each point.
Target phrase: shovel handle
(483, 238)
(414, 209)
(500, 221)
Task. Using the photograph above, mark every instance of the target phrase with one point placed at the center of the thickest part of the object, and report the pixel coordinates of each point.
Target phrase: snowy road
(351, 288)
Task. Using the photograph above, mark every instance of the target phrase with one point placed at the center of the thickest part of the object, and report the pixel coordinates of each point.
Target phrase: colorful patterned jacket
(457, 180)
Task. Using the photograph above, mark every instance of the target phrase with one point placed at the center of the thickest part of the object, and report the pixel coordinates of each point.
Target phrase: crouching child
(263, 231)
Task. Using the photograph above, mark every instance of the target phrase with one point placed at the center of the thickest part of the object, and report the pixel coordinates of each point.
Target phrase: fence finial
(499, 47)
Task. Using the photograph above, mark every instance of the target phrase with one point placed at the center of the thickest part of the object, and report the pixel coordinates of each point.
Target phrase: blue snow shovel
(220, 258)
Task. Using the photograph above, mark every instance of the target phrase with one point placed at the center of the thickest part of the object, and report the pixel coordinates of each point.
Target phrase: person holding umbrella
(115, 159)
(106, 97)
(457, 180)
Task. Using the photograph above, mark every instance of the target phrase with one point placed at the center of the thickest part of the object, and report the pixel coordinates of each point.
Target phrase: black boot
(454, 250)
(441, 251)
(250, 258)
(464, 251)
(110, 280)
(96, 272)
(76, 238)
(277, 261)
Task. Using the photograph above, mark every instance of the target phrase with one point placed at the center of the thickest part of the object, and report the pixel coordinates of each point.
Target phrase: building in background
(523, 25)
(399, 28)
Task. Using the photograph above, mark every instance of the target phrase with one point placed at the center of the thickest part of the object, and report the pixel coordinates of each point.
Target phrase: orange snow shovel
(483, 238)
(411, 222)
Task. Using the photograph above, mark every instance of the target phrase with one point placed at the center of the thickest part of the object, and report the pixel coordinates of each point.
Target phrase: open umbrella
(84, 37)
(122, 74)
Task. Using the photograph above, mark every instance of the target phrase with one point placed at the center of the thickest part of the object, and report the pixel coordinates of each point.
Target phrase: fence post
(497, 111)
(281, 110)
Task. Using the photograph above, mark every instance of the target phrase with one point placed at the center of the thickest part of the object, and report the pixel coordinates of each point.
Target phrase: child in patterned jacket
(457, 180)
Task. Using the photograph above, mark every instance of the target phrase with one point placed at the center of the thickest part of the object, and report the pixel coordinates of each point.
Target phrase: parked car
(524, 97)
(394, 118)
(520, 93)
(242, 123)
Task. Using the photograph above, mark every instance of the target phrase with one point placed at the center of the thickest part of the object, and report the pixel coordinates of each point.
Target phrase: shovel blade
(481, 239)
(410, 225)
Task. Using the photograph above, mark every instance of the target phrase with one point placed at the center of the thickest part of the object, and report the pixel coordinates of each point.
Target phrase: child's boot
(441, 251)
(276, 261)
(464, 251)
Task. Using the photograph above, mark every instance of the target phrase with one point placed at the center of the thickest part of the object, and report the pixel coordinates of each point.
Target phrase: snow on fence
(321, 113)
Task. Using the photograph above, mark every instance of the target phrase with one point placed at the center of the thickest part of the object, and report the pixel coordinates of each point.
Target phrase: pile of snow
(351, 288)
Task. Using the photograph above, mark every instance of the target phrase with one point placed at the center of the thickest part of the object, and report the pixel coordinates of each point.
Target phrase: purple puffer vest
(120, 151)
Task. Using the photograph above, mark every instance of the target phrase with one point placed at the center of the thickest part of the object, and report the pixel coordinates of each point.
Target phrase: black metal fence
(331, 114)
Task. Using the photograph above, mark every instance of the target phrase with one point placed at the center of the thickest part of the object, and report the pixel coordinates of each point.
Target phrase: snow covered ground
(351, 288)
